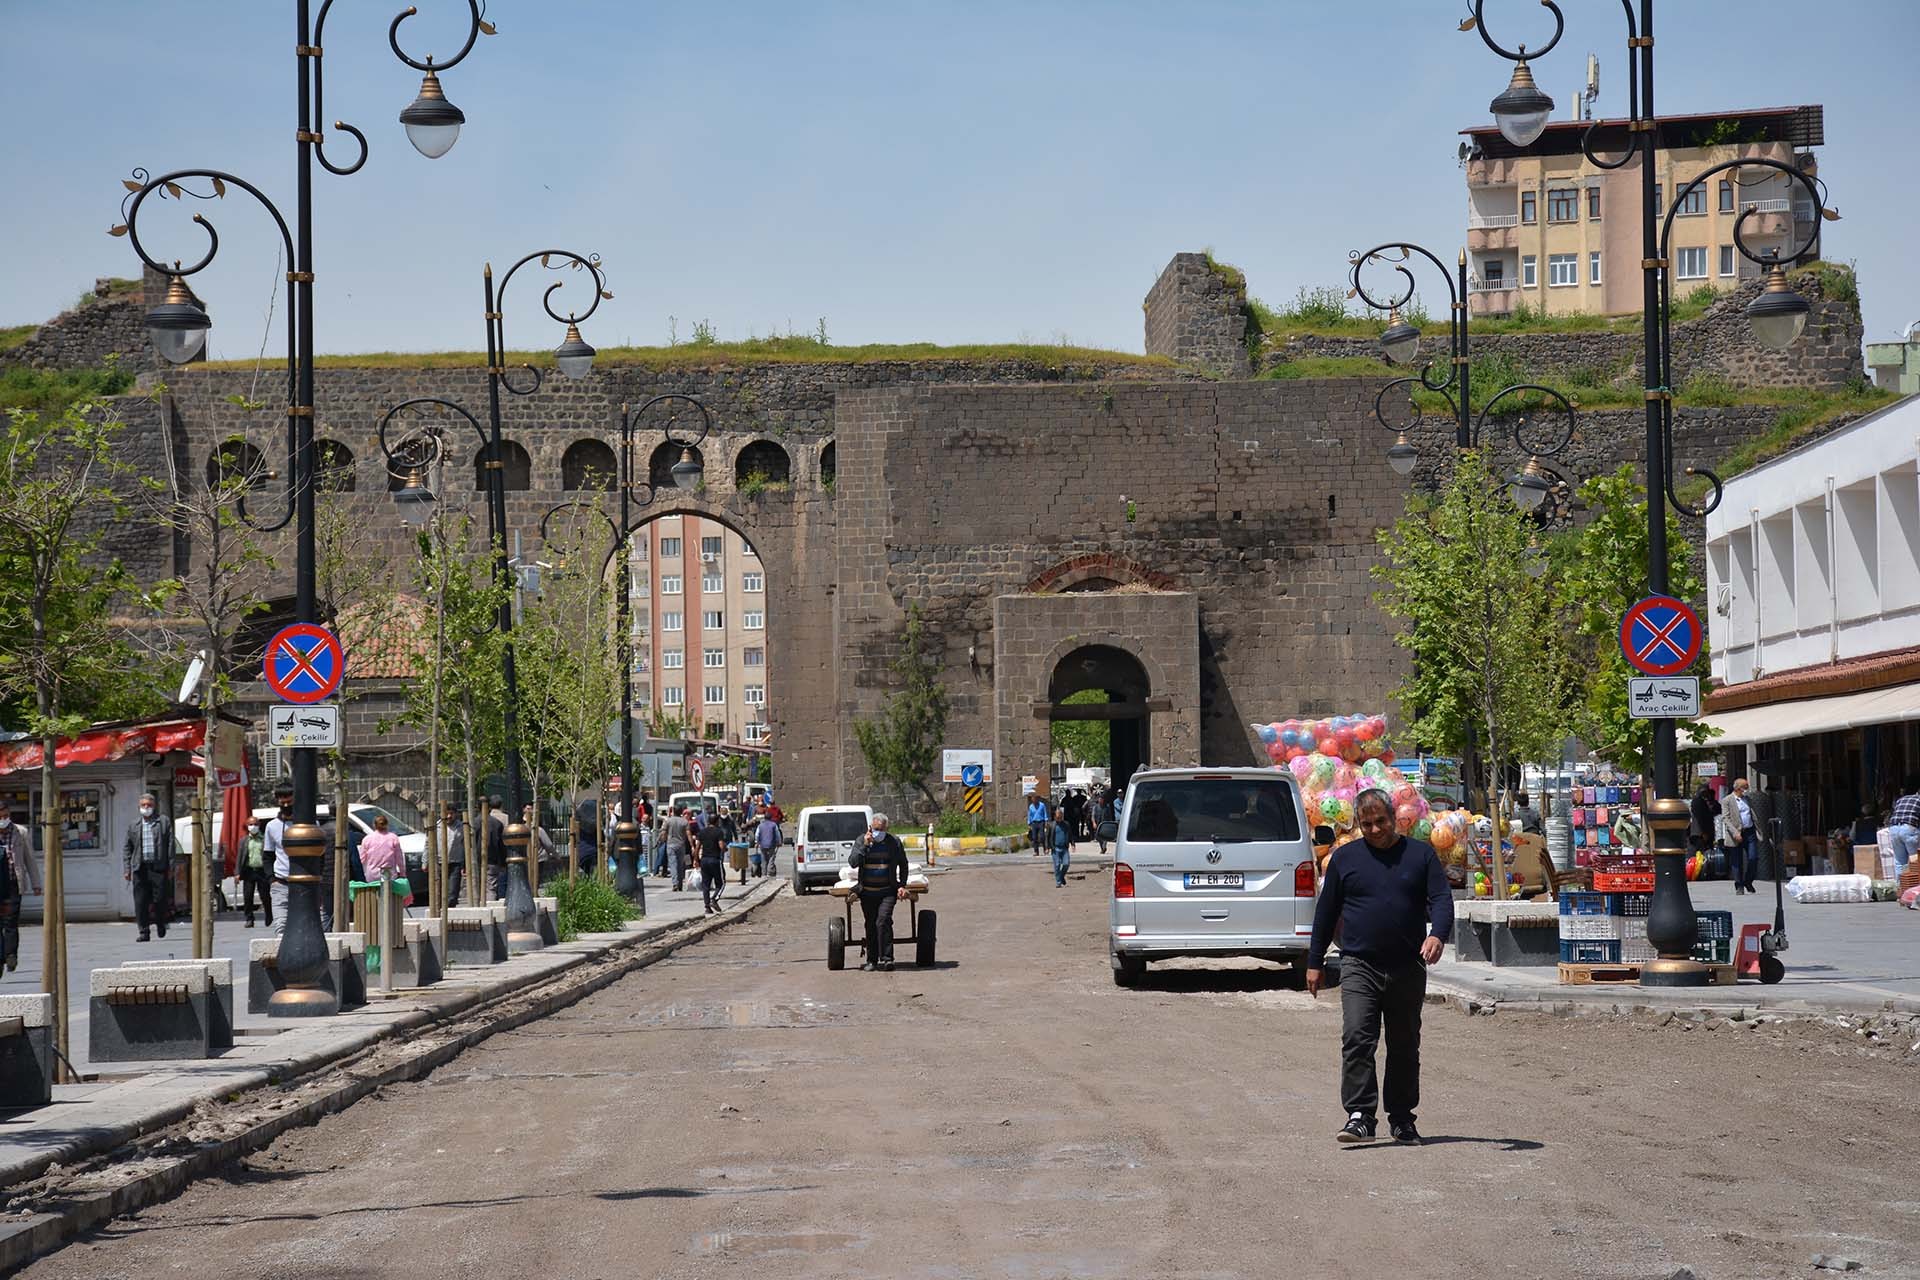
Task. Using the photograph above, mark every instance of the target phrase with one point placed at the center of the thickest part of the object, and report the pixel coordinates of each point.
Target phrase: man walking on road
(148, 855)
(274, 846)
(713, 866)
(1036, 822)
(881, 865)
(1741, 859)
(1062, 845)
(673, 846)
(18, 875)
(1382, 893)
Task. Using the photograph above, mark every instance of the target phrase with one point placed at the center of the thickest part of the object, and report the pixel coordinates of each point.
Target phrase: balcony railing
(1478, 221)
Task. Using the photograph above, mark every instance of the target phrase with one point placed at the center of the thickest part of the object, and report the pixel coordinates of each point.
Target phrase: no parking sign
(1661, 636)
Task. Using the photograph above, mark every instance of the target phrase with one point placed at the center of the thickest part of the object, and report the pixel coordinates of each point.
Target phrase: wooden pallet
(1597, 975)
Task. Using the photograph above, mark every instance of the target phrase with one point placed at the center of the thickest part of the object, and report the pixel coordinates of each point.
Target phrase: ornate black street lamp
(637, 492)
(1778, 317)
(1533, 485)
(178, 329)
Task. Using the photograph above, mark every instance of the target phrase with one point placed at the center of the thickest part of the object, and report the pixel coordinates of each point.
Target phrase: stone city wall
(1196, 313)
(109, 325)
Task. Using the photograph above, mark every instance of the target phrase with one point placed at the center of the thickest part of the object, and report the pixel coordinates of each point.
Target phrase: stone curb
(1630, 998)
(40, 1233)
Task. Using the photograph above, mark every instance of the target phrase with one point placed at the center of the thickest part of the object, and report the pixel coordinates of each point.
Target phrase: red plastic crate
(1623, 881)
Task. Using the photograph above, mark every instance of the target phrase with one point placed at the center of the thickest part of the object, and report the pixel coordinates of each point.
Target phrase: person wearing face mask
(147, 854)
(18, 875)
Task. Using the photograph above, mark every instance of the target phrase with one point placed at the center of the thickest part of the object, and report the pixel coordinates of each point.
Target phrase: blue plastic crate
(1714, 926)
(1590, 951)
(1581, 902)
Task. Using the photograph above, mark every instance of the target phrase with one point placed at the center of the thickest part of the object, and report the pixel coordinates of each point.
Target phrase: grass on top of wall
(13, 335)
(781, 350)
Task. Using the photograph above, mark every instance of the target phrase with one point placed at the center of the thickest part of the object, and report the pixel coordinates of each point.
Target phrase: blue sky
(908, 171)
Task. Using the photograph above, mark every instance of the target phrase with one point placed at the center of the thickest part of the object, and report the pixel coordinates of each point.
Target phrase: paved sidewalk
(132, 1097)
(1843, 957)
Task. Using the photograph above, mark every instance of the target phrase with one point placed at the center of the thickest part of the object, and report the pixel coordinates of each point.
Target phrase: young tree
(902, 745)
(1483, 634)
(59, 646)
(1607, 576)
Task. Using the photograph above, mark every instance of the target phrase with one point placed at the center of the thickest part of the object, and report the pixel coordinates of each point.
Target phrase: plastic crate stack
(1611, 928)
(1592, 815)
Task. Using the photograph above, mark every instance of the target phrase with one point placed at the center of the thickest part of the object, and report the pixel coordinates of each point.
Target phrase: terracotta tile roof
(1850, 675)
(387, 639)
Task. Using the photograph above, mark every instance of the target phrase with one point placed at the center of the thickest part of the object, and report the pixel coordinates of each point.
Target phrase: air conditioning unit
(709, 557)
(273, 765)
(1723, 601)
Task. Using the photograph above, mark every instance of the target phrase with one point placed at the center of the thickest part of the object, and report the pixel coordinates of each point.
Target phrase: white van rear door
(1216, 854)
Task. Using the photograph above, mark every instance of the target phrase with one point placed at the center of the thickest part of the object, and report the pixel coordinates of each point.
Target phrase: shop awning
(101, 746)
(1779, 720)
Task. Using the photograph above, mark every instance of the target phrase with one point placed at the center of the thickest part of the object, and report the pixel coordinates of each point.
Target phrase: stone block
(26, 1055)
(353, 966)
(151, 1029)
(476, 935)
(547, 918)
(220, 973)
(263, 971)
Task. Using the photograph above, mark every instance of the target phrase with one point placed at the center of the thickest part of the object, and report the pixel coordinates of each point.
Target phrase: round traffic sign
(1661, 636)
(304, 663)
(698, 771)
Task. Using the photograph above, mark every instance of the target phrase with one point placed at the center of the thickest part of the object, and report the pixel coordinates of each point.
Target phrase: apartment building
(700, 628)
(1548, 229)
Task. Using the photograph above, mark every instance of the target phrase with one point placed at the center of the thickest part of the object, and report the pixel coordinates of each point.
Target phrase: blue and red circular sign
(304, 663)
(1661, 636)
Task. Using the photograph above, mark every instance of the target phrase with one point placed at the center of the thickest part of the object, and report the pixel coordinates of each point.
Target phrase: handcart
(922, 927)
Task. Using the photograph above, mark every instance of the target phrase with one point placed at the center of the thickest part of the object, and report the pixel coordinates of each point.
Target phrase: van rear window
(1222, 810)
(836, 826)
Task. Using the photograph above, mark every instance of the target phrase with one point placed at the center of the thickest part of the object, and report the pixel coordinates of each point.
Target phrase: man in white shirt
(1741, 859)
(273, 846)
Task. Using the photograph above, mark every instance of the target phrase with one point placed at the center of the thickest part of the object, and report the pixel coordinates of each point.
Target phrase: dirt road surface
(741, 1110)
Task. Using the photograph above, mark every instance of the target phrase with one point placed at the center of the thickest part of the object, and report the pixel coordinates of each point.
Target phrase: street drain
(747, 1244)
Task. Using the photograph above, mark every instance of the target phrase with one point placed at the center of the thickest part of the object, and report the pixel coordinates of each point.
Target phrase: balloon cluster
(1335, 760)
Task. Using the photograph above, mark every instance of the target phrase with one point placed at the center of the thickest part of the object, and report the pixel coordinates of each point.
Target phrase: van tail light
(1303, 879)
(800, 853)
(1122, 880)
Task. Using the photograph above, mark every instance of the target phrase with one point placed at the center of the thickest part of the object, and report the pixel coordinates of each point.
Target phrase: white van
(1210, 862)
(412, 843)
(824, 840)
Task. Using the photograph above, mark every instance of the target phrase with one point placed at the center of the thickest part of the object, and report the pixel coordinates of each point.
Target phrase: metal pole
(303, 952)
(1671, 929)
(1463, 430)
(522, 929)
(626, 836)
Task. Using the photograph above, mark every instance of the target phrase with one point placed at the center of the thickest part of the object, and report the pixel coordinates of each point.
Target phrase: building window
(671, 622)
(753, 582)
(643, 696)
(641, 587)
(1563, 205)
(712, 582)
(713, 620)
(669, 584)
(1659, 191)
(1691, 264)
(1563, 269)
(669, 548)
(716, 695)
(672, 659)
(754, 695)
(1726, 195)
(1529, 271)
(756, 733)
(754, 620)
(1726, 259)
(1529, 211)
(1593, 268)
(711, 547)
(716, 731)
(753, 657)
(751, 553)
(1496, 274)
(673, 696)
(1593, 204)
(1693, 201)
(713, 658)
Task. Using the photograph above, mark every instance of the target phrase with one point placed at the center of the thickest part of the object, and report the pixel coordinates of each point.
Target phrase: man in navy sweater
(1388, 899)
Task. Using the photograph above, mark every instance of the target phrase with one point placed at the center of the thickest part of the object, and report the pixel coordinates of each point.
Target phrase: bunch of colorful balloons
(1338, 758)
(1349, 738)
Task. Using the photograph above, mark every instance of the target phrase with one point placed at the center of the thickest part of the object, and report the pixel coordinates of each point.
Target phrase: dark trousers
(1742, 860)
(877, 907)
(713, 878)
(1369, 997)
(152, 899)
(9, 926)
(456, 872)
(1036, 833)
(252, 882)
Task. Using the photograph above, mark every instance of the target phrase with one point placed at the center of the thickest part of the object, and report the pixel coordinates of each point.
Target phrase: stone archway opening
(1097, 711)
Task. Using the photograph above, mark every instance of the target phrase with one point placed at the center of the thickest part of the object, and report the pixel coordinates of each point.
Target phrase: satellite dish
(190, 685)
(1463, 152)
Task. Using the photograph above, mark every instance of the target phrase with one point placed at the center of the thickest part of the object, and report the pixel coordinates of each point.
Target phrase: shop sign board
(1663, 697)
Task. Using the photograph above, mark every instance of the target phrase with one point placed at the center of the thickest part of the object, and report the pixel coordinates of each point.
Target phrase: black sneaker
(1358, 1128)
(1405, 1132)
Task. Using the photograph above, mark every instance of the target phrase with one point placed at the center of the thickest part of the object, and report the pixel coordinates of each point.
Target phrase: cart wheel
(1772, 969)
(923, 932)
(836, 944)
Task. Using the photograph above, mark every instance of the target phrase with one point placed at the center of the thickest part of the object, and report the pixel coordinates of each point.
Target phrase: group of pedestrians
(1055, 829)
(712, 834)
